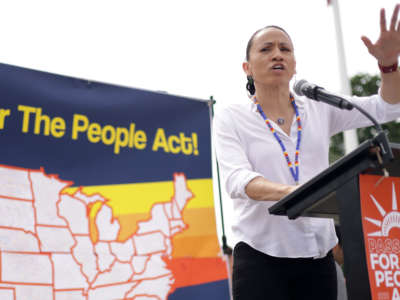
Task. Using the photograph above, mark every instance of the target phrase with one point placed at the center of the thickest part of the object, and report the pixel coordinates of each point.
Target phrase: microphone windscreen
(298, 87)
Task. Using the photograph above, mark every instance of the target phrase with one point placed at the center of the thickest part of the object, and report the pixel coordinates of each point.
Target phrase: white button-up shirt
(246, 149)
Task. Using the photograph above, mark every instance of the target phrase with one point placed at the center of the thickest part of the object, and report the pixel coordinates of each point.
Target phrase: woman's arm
(240, 179)
(261, 189)
(390, 87)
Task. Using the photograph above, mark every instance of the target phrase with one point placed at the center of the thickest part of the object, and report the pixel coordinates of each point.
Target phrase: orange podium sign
(381, 228)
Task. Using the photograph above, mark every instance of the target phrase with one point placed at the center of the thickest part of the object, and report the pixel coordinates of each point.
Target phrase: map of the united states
(47, 249)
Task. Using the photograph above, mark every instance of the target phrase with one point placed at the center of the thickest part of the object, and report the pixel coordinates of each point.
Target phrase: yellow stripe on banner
(203, 193)
(139, 197)
(132, 203)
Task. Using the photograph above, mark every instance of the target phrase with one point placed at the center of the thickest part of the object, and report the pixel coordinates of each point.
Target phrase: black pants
(257, 276)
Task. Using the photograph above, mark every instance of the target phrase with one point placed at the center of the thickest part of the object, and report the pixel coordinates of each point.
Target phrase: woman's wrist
(387, 67)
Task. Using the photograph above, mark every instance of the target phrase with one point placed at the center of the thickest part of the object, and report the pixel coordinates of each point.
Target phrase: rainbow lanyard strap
(295, 171)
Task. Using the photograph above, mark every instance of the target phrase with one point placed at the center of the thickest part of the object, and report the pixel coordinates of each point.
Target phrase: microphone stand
(380, 139)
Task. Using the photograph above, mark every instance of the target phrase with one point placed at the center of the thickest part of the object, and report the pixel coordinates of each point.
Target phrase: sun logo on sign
(389, 220)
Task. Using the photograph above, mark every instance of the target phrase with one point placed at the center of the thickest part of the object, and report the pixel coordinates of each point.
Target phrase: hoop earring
(250, 85)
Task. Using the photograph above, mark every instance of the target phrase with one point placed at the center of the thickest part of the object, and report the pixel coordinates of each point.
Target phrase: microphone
(312, 91)
(315, 92)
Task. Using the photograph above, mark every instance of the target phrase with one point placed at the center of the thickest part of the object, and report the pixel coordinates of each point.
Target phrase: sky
(183, 47)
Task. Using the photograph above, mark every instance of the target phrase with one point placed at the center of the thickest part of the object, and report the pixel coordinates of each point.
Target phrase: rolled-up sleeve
(235, 167)
(381, 110)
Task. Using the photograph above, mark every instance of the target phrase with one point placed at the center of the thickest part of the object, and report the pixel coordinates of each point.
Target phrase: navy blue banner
(211, 291)
(68, 122)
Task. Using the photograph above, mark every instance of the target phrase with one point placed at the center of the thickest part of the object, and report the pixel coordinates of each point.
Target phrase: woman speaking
(272, 143)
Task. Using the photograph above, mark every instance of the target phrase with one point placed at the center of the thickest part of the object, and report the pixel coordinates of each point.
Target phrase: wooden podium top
(317, 197)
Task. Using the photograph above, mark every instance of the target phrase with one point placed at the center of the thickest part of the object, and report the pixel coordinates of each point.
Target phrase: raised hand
(387, 48)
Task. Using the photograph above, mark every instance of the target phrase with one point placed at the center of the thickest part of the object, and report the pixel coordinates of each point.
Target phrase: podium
(335, 193)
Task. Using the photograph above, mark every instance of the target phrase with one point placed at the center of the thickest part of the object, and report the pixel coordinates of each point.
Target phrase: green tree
(363, 85)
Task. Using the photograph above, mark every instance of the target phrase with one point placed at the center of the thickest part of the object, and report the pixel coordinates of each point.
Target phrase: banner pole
(225, 248)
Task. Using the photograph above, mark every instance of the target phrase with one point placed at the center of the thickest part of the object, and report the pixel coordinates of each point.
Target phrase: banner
(381, 226)
(105, 192)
